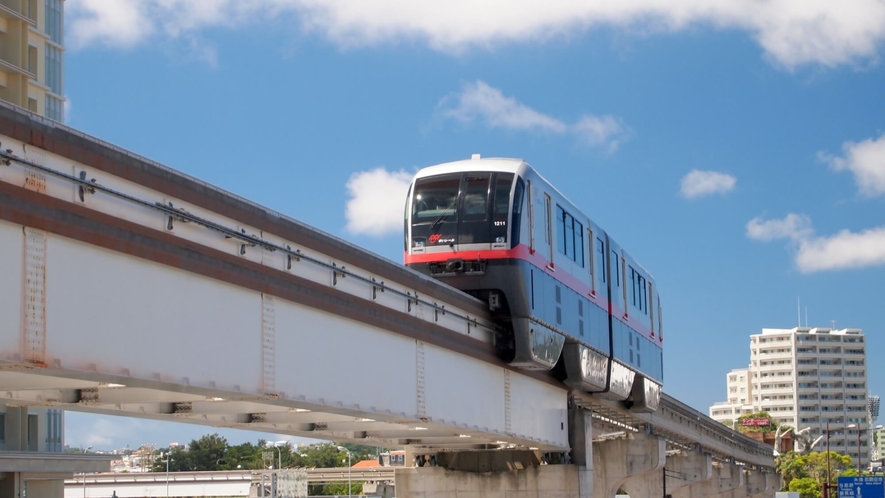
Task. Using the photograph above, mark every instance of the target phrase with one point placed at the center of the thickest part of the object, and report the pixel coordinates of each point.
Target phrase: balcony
(12, 68)
(13, 11)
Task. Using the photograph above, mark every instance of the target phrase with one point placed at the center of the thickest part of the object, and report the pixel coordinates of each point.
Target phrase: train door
(474, 226)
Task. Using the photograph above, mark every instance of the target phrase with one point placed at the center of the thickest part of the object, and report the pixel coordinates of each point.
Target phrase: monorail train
(569, 297)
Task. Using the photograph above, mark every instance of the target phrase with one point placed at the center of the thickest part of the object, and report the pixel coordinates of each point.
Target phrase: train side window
(592, 261)
(615, 260)
(531, 202)
(624, 271)
(548, 203)
(600, 254)
(633, 285)
(660, 320)
(650, 297)
(570, 236)
(579, 243)
(561, 216)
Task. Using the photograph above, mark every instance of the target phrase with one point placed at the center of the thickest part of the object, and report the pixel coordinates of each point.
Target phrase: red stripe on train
(522, 252)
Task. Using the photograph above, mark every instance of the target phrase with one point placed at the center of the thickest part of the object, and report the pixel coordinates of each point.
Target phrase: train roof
(475, 163)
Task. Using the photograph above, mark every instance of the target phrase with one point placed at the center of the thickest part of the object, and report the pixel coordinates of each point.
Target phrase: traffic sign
(862, 487)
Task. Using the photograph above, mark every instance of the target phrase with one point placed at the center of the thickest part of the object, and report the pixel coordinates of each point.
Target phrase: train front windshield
(462, 211)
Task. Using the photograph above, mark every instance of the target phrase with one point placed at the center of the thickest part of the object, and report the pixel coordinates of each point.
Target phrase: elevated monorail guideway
(148, 293)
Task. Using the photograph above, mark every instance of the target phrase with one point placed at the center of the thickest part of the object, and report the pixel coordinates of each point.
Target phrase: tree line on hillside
(213, 453)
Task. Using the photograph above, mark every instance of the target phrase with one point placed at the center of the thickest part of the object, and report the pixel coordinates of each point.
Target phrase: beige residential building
(806, 377)
(32, 55)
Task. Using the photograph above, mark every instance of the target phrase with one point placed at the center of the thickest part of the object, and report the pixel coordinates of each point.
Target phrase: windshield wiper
(443, 215)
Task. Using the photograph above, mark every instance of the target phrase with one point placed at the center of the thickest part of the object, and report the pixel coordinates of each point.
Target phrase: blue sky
(737, 151)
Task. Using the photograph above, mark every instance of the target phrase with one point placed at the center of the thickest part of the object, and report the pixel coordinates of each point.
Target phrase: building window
(54, 18)
(54, 108)
(53, 69)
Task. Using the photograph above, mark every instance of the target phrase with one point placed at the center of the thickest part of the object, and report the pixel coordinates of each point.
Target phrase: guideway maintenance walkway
(148, 293)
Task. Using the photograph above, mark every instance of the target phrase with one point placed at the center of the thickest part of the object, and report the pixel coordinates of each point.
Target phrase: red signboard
(756, 422)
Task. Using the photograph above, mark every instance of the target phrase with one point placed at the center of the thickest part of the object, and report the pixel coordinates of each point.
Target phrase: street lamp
(349, 468)
(279, 451)
(84, 474)
(168, 459)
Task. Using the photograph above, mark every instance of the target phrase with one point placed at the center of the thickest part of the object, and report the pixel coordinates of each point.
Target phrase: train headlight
(418, 243)
(499, 240)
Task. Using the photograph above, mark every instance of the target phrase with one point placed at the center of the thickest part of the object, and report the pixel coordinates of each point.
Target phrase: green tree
(246, 456)
(208, 452)
(179, 460)
(324, 455)
(789, 467)
(806, 487)
(335, 489)
(814, 465)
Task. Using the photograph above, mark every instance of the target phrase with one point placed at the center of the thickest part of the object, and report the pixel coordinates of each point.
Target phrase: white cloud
(698, 183)
(866, 160)
(479, 101)
(791, 32)
(600, 130)
(793, 226)
(842, 251)
(377, 200)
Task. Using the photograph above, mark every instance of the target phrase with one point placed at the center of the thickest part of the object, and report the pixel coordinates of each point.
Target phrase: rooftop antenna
(798, 313)
(806, 316)
(834, 324)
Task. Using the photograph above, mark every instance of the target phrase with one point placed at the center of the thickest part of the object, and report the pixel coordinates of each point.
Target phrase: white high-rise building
(806, 377)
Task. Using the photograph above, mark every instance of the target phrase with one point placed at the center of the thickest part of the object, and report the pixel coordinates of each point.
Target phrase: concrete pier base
(546, 481)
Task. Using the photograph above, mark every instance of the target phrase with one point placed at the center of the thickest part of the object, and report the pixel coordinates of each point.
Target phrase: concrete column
(11, 484)
(580, 438)
(685, 468)
(633, 462)
(731, 482)
(16, 428)
(762, 485)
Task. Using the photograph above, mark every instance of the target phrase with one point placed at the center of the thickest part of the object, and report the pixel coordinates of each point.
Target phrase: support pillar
(731, 482)
(580, 438)
(762, 485)
(685, 468)
(16, 428)
(633, 462)
(11, 484)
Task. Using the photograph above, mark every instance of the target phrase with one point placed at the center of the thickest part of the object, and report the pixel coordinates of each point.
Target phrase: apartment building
(31, 76)
(806, 377)
(32, 55)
